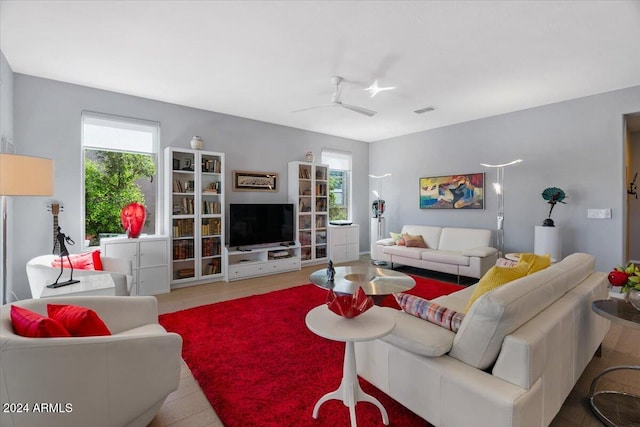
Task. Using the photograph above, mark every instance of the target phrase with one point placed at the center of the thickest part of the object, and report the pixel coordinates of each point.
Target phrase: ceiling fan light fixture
(374, 89)
(424, 110)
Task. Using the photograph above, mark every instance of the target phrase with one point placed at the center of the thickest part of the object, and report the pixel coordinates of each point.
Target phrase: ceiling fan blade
(313, 108)
(360, 110)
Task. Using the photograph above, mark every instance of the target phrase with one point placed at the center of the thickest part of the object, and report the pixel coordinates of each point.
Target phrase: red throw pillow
(411, 241)
(97, 262)
(33, 325)
(79, 321)
(79, 261)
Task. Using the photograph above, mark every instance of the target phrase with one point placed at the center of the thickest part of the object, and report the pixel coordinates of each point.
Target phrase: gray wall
(47, 123)
(6, 136)
(575, 145)
(6, 99)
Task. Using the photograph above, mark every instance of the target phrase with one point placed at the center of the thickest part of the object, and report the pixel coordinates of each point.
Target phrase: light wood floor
(188, 406)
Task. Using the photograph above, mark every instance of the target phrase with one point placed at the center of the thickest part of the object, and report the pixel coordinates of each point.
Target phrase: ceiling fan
(336, 102)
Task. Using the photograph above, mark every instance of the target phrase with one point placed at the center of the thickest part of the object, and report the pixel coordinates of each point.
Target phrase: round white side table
(372, 324)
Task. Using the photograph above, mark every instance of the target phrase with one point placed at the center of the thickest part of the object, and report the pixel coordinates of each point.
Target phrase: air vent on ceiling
(424, 110)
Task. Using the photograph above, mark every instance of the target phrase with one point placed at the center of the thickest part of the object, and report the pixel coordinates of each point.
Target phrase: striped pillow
(430, 311)
(504, 262)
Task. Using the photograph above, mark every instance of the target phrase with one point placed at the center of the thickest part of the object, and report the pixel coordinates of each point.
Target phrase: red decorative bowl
(349, 305)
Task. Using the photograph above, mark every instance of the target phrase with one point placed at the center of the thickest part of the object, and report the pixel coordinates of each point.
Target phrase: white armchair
(117, 380)
(40, 273)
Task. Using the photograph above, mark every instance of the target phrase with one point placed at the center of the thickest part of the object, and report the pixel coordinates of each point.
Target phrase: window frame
(348, 173)
(155, 129)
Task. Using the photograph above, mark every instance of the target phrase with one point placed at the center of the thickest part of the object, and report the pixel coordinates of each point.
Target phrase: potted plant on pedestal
(552, 195)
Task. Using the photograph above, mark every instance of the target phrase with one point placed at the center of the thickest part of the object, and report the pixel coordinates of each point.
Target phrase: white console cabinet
(344, 243)
(260, 261)
(149, 257)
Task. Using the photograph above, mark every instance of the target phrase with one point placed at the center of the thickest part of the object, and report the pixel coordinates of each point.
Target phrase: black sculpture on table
(61, 239)
(331, 272)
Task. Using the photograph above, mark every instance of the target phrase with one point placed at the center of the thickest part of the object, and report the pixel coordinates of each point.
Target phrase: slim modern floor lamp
(499, 188)
(21, 176)
(377, 221)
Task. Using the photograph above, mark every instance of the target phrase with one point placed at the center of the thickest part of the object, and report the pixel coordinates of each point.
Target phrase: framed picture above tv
(255, 181)
(464, 191)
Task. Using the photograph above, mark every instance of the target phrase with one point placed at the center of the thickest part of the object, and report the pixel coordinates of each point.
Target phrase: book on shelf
(211, 227)
(182, 228)
(177, 186)
(183, 187)
(186, 204)
(211, 165)
(210, 207)
(321, 252)
(212, 188)
(213, 267)
(183, 249)
(211, 246)
(305, 172)
(185, 273)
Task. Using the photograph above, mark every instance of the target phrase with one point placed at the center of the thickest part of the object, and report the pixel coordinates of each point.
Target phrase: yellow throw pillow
(536, 262)
(496, 277)
(412, 241)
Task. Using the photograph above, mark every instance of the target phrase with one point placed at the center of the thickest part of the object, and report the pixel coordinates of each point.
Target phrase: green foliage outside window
(110, 184)
(337, 211)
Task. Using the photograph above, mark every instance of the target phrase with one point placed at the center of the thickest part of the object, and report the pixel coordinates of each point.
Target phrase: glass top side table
(616, 408)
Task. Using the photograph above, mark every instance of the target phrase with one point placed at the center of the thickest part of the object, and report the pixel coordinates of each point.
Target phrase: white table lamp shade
(547, 240)
(25, 176)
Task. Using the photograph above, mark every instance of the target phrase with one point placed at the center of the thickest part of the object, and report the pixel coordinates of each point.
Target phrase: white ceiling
(262, 60)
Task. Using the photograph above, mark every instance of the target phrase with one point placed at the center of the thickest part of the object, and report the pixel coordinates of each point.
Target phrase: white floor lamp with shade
(377, 218)
(499, 188)
(21, 176)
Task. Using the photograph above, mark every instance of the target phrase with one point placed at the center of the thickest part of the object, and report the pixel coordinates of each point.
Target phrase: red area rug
(259, 365)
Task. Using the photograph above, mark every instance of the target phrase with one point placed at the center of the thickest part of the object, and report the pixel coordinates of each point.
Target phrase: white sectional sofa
(459, 251)
(100, 381)
(518, 353)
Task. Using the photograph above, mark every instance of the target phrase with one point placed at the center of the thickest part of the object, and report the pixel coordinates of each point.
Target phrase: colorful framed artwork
(452, 192)
(255, 181)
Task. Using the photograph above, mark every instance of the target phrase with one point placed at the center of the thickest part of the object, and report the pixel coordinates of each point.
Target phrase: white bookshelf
(309, 192)
(195, 202)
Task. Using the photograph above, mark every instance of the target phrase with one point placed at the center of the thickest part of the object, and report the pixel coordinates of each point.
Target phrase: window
(339, 183)
(120, 167)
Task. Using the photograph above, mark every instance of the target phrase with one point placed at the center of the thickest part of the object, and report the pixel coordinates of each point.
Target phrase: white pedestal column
(377, 233)
(547, 240)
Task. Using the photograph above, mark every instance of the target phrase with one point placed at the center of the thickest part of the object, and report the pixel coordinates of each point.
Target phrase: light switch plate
(599, 213)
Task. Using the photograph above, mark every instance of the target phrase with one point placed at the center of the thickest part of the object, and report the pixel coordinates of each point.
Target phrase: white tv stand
(260, 261)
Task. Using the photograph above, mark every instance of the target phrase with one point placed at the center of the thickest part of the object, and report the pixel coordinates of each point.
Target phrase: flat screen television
(260, 224)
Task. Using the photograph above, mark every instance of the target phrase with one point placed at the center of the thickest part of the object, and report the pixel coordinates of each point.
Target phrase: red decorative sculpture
(349, 305)
(133, 216)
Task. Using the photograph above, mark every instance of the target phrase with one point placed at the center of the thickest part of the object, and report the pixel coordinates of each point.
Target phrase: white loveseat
(518, 353)
(101, 381)
(459, 251)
